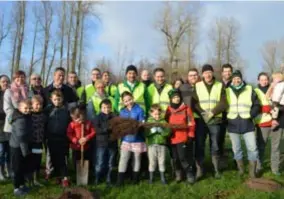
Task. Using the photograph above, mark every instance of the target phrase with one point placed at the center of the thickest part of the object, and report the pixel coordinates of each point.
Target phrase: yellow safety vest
(138, 94)
(240, 105)
(208, 101)
(262, 117)
(80, 91)
(97, 101)
(162, 99)
(111, 90)
(90, 90)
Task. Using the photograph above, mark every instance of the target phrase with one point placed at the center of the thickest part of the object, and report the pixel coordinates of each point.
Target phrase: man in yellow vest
(138, 89)
(110, 87)
(209, 102)
(243, 107)
(264, 130)
(75, 84)
(90, 88)
(158, 91)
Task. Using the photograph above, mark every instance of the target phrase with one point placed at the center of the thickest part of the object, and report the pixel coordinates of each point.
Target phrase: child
(131, 143)
(156, 138)
(37, 138)
(75, 135)
(57, 141)
(104, 147)
(182, 139)
(21, 123)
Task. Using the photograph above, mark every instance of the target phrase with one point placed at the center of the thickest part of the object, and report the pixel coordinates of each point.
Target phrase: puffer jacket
(135, 113)
(57, 123)
(74, 134)
(21, 131)
(181, 116)
(3, 135)
(160, 138)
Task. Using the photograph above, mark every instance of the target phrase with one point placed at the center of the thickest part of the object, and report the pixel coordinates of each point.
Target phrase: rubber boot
(36, 177)
(120, 179)
(173, 167)
(163, 178)
(178, 175)
(2, 177)
(252, 169)
(199, 170)
(240, 164)
(136, 177)
(190, 177)
(9, 171)
(109, 175)
(151, 177)
(215, 161)
(98, 178)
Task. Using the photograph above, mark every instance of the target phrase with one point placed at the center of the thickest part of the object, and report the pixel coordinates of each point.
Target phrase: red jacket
(182, 115)
(74, 134)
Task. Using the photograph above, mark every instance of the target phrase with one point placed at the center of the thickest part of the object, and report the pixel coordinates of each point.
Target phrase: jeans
(4, 153)
(213, 130)
(105, 157)
(262, 136)
(250, 141)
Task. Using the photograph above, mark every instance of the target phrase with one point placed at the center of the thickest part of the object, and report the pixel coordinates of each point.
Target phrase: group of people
(64, 116)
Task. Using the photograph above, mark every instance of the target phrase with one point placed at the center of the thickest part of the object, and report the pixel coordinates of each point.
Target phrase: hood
(151, 119)
(181, 108)
(16, 115)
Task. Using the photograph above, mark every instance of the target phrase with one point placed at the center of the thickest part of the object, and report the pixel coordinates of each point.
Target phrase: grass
(229, 186)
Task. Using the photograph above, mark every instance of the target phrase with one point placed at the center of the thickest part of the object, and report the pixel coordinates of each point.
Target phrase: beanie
(131, 68)
(237, 73)
(174, 92)
(207, 67)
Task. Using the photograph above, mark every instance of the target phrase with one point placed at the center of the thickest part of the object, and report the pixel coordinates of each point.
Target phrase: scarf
(263, 89)
(19, 93)
(238, 87)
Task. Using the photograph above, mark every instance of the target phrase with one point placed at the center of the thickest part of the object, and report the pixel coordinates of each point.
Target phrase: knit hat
(174, 92)
(131, 68)
(237, 73)
(207, 67)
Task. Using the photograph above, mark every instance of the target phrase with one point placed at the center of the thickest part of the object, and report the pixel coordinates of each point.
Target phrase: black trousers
(35, 159)
(183, 155)
(18, 164)
(76, 155)
(223, 130)
(58, 151)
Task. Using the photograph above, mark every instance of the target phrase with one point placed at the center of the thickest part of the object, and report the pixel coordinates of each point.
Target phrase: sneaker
(19, 192)
(65, 183)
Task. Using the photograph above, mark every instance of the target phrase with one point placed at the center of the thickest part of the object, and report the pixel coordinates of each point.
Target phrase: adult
(36, 87)
(4, 136)
(74, 83)
(177, 83)
(132, 85)
(264, 123)
(90, 88)
(227, 70)
(17, 92)
(94, 104)
(158, 92)
(69, 97)
(145, 77)
(209, 102)
(110, 87)
(243, 107)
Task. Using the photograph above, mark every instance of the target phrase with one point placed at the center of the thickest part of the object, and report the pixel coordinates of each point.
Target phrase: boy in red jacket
(182, 138)
(74, 134)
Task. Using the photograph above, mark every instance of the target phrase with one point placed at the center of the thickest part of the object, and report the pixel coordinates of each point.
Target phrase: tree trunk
(33, 50)
(14, 52)
(50, 65)
(81, 45)
(74, 53)
(69, 39)
(62, 33)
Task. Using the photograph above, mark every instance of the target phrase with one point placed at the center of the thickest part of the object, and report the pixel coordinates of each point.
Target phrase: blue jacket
(135, 113)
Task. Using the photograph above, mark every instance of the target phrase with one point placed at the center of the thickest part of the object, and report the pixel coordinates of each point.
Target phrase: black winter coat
(21, 131)
(240, 125)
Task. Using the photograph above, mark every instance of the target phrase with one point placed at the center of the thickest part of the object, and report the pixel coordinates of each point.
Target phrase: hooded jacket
(160, 138)
(181, 116)
(21, 131)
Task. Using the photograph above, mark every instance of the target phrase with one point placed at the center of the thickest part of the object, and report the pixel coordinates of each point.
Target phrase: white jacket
(278, 93)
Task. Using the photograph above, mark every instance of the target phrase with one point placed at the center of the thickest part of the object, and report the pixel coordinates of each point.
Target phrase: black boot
(199, 170)
(163, 178)
(173, 167)
(2, 176)
(98, 178)
(120, 179)
(109, 175)
(190, 176)
(151, 177)
(136, 177)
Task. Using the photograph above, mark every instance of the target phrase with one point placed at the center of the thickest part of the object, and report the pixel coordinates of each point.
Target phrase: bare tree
(4, 28)
(21, 17)
(45, 20)
(62, 31)
(55, 49)
(271, 56)
(81, 45)
(69, 33)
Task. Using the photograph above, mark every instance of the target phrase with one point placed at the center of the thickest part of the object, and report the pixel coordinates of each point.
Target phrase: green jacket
(157, 137)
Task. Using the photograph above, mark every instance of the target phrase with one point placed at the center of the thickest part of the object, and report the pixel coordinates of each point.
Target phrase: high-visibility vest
(240, 105)
(262, 117)
(90, 90)
(80, 91)
(111, 90)
(162, 99)
(138, 94)
(208, 101)
(97, 101)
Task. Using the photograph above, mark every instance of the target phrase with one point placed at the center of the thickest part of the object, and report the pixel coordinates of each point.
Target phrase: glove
(274, 112)
(159, 129)
(274, 124)
(207, 116)
(153, 130)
